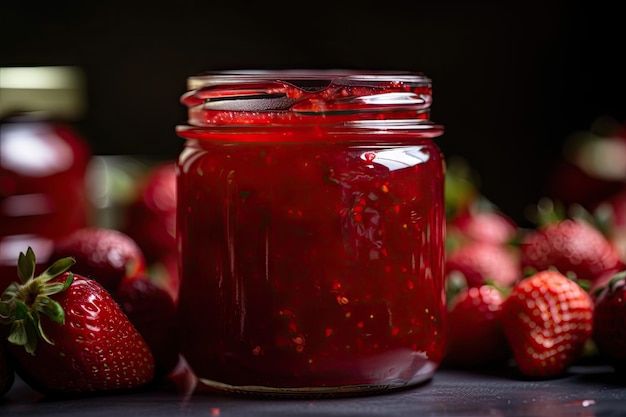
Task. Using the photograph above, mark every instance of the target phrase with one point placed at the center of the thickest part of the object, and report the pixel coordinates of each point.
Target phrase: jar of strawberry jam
(43, 162)
(311, 232)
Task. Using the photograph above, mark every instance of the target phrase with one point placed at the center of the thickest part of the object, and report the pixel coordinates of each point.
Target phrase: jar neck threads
(297, 97)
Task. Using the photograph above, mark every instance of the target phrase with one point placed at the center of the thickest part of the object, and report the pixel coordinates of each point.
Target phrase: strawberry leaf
(24, 333)
(11, 291)
(68, 281)
(455, 284)
(21, 310)
(53, 288)
(18, 335)
(604, 216)
(547, 211)
(51, 309)
(585, 284)
(57, 268)
(31, 336)
(26, 265)
(40, 332)
(57, 287)
(616, 278)
(23, 305)
(5, 309)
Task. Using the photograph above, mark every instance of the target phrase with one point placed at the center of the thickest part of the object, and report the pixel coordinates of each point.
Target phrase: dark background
(512, 80)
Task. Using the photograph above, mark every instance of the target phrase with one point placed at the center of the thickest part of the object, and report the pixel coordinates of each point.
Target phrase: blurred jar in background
(43, 161)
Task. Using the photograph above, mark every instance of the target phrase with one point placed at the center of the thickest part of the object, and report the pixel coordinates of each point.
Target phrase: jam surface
(310, 260)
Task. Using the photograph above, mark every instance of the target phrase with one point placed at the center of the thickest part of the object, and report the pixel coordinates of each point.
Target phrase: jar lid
(263, 97)
(55, 90)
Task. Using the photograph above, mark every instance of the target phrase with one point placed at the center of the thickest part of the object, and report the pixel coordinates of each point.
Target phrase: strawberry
(616, 203)
(486, 225)
(573, 246)
(609, 322)
(150, 218)
(591, 166)
(152, 311)
(89, 345)
(547, 321)
(612, 212)
(571, 184)
(474, 331)
(103, 254)
(164, 274)
(7, 375)
(482, 262)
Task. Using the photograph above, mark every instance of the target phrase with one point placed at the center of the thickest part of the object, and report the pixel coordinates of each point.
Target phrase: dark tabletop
(592, 391)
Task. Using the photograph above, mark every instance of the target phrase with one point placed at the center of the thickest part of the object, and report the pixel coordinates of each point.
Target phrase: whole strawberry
(150, 219)
(612, 212)
(103, 254)
(483, 262)
(609, 323)
(68, 335)
(152, 311)
(547, 321)
(475, 337)
(572, 246)
(488, 225)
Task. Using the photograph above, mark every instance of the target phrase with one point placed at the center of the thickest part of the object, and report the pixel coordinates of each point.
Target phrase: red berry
(487, 225)
(570, 184)
(151, 216)
(609, 324)
(617, 204)
(547, 320)
(483, 262)
(474, 331)
(69, 336)
(164, 273)
(612, 212)
(572, 247)
(103, 254)
(152, 311)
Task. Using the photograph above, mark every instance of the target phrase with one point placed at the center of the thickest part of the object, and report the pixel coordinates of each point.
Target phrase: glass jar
(43, 162)
(311, 232)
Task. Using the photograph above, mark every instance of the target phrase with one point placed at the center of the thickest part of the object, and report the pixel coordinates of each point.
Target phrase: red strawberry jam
(311, 232)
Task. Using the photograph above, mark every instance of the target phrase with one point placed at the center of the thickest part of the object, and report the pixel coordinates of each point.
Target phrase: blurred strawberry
(611, 215)
(572, 246)
(484, 262)
(609, 322)
(488, 225)
(591, 167)
(475, 337)
(153, 313)
(150, 218)
(570, 184)
(164, 273)
(616, 205)
(103, 254)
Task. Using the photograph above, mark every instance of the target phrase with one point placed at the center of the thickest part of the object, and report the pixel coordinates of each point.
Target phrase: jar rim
(335, 76)
(302, 96)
